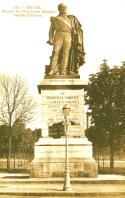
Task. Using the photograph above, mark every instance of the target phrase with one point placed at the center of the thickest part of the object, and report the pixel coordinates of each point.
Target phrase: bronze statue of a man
(64, 35)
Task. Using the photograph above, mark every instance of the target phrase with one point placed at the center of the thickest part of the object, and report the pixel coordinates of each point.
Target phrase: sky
(23, 47)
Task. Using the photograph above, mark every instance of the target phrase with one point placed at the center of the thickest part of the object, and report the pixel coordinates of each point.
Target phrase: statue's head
(62, 8)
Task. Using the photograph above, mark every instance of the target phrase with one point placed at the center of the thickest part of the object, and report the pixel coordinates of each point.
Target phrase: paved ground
(20, 184)
(14, 196)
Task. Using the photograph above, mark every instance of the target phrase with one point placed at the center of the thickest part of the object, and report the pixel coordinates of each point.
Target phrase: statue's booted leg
(58, 40)
(65, 53)
(64, 63)
(54, 62)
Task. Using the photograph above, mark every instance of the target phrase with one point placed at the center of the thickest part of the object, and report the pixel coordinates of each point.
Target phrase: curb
(13, 181)
(83, 194)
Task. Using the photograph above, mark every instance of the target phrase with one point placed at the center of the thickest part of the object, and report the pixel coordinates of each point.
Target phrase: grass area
(23, 166)
(101, 171)
(117, 170)
(4, 170)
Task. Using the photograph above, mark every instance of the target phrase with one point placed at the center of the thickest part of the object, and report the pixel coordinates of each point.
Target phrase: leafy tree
(105, 97)
(16, 138)
(3, 140)
(37, 134)
(28, 138)
(97, 136)
(16, 106)
(27, 142)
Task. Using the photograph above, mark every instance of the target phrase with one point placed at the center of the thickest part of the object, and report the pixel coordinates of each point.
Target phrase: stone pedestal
(49, 152)
(49, 160)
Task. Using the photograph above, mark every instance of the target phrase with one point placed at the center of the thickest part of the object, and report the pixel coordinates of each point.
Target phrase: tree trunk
(4, 156)
(14, 158)
(111, 156)
(18, 156)
(21, 158)
(24, 156)
(98, 160)
(103, 158)
(9, 154)
(30, 149)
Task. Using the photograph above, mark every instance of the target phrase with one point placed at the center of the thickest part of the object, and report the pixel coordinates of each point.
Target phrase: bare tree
(16, 106)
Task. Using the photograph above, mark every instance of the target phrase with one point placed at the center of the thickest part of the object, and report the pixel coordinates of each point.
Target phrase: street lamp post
(66, 112)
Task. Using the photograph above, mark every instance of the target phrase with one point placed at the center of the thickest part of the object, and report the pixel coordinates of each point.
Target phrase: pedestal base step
(49, 168)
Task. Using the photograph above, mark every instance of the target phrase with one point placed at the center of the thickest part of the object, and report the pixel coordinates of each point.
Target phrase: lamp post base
(67, 186)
